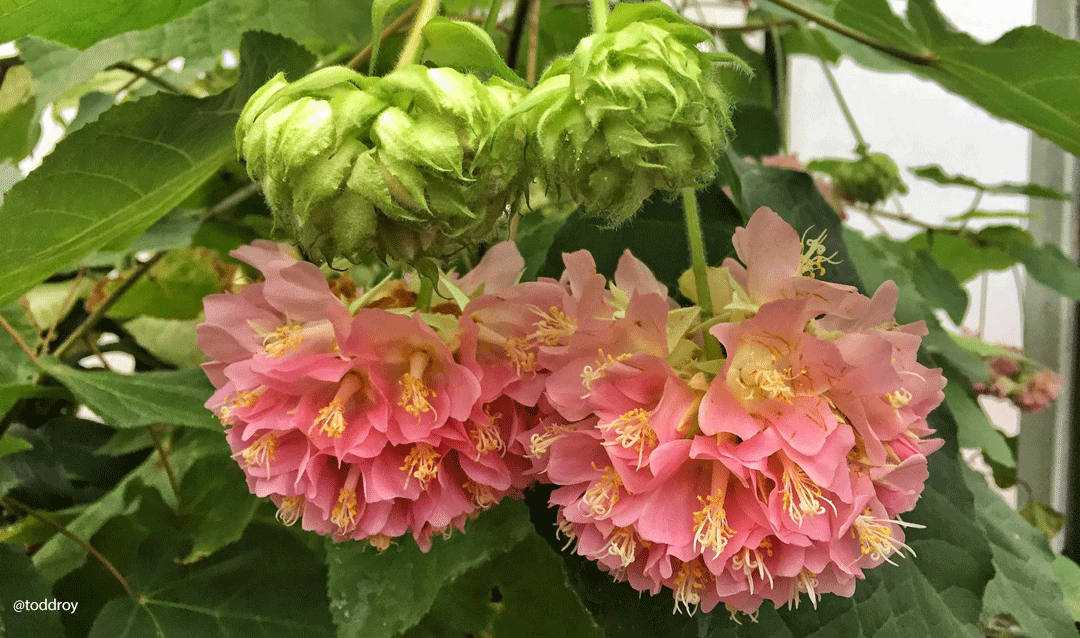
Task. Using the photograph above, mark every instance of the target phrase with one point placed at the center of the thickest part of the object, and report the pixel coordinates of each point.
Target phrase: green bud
(633, 110)
(416, 164)
(869, 179)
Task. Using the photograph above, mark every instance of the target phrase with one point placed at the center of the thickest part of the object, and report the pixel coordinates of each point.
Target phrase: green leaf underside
(117, 176)
(463, 46)
(81, 24)
(936, 174)
(21, 581)
(267, 585)
(375, 595)
(216, 505)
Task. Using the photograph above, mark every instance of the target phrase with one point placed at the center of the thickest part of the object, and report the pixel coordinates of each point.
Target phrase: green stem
(423, 298)
(491, 22)
(599, 15)
(696, 241)
(862, 147)
(410, 51)
(923, 58)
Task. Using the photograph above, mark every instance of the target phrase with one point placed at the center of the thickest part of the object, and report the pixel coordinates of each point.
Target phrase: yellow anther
(541, 441)
(603, 363)
(518, 349)
(414, 394)
(553, 327)
(750, 560)
(291, 509)
(261, 452)
(813, 259)
(331, 419)
(711, 527)
(381, 542)
(604, 494)
(632, 430)
(688, 585)
(285, 339)
(565, 529)
(486, 437)
(482, 496)
(899, 398)
(876, 538)
(242, 399)
(421, 463)
(755, 374)
(802, 497)
(345, 513)
(807, 582)
(623, 545)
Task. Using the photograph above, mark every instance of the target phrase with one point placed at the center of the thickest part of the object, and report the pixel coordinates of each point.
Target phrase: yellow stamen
(750, 560)
(633, 431)
(711, 528)
(623, 545)
(603, 363)
(876, 539)
(346, 512)
(331, 419)
(486, 435)
(553, 327)
(285, 339)
(755, 375)
(541, 441)
(422, 463)
(813, 259)
(565, 529)
(899, 399)
(688, 585)
(261, 452)
(604, 494)
(801, 495)
(414, 393)
(517, 348)
(807, 582)
(482, 496)
(242, 399)
(734, 612)
(381, 542)
(291, 509)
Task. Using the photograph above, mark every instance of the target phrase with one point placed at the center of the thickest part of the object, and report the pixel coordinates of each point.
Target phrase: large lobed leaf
(80, 24)
(115, 177)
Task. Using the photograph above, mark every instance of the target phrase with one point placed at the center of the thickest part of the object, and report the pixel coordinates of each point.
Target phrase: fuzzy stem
(411, 50)
(599, 15)
(491, 22)
(148, 76)
(701, 274)
(365, 53)
(862, 147)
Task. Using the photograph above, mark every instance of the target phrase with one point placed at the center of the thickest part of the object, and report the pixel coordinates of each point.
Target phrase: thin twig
(231, 201)
(148, 76)
(12, 504)
(107, 303)
(534, 42)
(924, 58)
(835, 86)
(512, 48)
(390, 30)
(64, 309)
(97, 352)
(414, 41)
(164, 456)
(18, 339)
(907, 219)
(749, 27)
(154, 67)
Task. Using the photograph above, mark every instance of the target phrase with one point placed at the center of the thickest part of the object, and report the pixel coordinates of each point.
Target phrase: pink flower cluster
(776, 470)
(1030, 386)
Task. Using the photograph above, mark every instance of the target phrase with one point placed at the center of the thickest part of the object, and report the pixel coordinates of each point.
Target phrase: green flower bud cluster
(411, 165)
(634, 109)
(867, 180)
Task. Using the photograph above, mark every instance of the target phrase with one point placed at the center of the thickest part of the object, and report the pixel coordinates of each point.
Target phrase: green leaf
(523, 592)
(19, 129)
(144, 398)
(173, 289)
(117, 176)
(15, 366)
(1043, 518)
(60, 555)
(810, 41)
(376, 595)
(173, 341)
(1067, 573)
(1023, 585)
(937, 285)
(216, 505)
(12, 445)
(267, 585)
(175, 230)
(21, 582)
(757, 130)
(936, 174)
(536, 233)
(975, 428)
(464, 46)
(10, 394)
(967, 253)
(84, 23)
(1050, 267)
